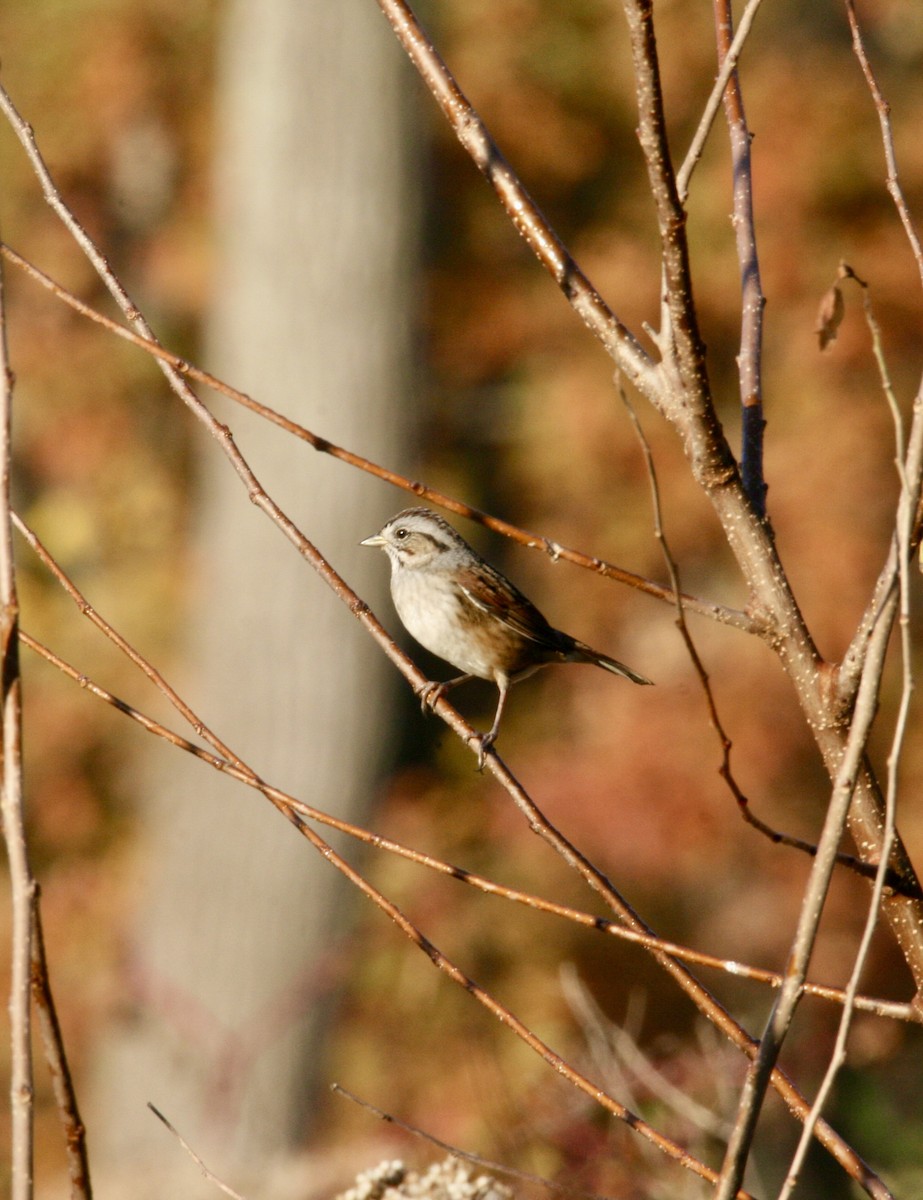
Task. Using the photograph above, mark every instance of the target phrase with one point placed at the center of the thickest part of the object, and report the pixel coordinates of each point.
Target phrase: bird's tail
(584, 653)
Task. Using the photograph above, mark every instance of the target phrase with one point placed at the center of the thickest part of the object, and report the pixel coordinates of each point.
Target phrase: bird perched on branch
(462, 609)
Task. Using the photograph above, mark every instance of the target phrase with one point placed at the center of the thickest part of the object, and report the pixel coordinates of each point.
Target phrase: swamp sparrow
(463, 610)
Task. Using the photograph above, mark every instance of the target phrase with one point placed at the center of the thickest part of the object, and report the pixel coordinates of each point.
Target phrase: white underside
(428, 604)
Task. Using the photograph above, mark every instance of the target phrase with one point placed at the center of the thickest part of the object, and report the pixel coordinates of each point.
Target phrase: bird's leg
(430, 692)
(486, 740)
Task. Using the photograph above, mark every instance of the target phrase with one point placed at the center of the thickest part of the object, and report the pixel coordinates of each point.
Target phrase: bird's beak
(375, 540)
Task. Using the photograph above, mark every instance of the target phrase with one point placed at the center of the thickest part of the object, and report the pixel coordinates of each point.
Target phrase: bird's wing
(488, 591)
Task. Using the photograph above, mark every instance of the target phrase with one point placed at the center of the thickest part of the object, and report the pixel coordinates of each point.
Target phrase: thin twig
(887, 137)
(783, 1009)
(440, 960)
(551, 252)
(895, 882)
(555, 551)
(903, 535)
(134, 656)
(75, 1141)
(209, 1175)
(710, 112)
(235, 769)
(680, 340)
(486, 1164)
(749, 360)
(22, 884)
(885, 593)
(713, 463)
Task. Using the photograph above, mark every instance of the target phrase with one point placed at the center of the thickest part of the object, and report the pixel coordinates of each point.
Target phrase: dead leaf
(829, 315)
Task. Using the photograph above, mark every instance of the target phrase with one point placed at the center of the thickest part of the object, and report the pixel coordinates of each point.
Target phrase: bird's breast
(435, 611)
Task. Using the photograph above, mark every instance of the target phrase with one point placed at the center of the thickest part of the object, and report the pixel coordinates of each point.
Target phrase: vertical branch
(21, 884)
(529, 221)
(886, 590)
(903, 536)
(710, 111)
(684, 336)
(753, 302)
(78, 1166)
(887, 138)
(783, 1011)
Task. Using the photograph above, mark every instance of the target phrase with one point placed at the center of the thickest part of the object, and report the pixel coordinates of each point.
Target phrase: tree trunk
(236, 941)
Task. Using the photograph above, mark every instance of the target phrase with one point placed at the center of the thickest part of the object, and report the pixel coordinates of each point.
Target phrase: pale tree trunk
(234, 946)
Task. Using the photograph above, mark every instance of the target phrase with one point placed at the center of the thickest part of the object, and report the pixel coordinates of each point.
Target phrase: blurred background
(286, 206)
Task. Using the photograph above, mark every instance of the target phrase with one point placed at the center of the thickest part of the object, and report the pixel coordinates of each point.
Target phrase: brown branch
(752, 300)
(209, 1175)
(521, 208)
(680, 342)
(841, 1151)
(903, 536)
(78, 1166)
(229, 764)
(896, 884)
(887, 137)
(22, 884)
(555, 551)
(885, 594)
(486, 1164)
(745, 535)
(441, 961)
(688, 406)
(783, 1010)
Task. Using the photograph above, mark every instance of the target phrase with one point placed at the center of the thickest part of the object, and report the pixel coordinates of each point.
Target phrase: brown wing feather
(491, 593)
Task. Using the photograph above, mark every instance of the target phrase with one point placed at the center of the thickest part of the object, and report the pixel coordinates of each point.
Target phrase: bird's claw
(429, 693)
(485, 741)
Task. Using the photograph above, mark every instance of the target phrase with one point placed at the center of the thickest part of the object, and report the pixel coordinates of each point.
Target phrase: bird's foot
(485, 741)
(430, 693)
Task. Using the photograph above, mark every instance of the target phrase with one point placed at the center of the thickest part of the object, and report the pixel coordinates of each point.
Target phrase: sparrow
(465, 611)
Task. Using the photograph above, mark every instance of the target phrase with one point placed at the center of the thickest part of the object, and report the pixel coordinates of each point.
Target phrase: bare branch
(78, 1166)
(749, 361)
(209, 1175)
(236, 769)
(684, 348)
(728, 67)
(555, 551)
(523, 212)
(22, 885)
(486, 1163)
(885, 593)
(887, 137)
(896, 883)
(903, 536)
(826, 857)
(783, 1010)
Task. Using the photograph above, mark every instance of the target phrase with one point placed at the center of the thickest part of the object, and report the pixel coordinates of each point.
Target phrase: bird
(465, 611)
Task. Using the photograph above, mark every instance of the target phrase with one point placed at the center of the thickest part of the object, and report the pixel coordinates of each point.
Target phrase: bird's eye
(401, 533)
